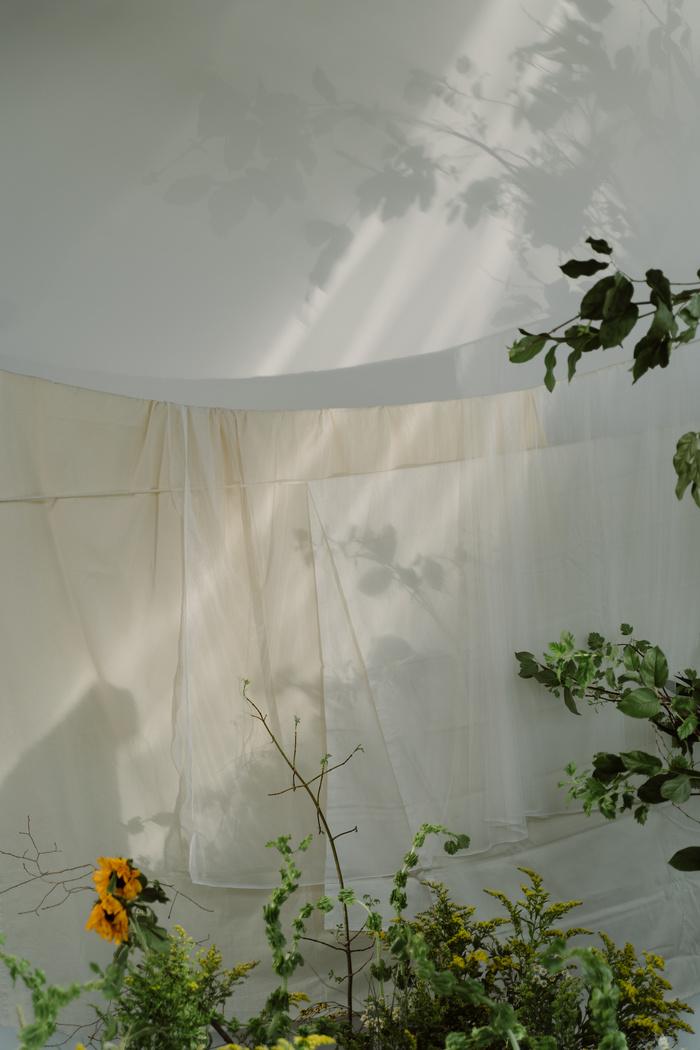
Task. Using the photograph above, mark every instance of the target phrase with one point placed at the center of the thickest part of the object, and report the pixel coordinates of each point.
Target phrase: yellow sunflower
(109, 919)
(128, 885)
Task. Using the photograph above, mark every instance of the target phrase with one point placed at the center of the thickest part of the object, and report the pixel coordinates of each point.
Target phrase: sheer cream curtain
(371, 571)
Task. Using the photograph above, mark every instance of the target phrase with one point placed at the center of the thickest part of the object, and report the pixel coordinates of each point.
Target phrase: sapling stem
(323, 823)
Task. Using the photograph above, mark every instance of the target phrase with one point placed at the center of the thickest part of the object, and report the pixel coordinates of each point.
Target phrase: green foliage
(470, 986)
(170, 999)
(275, 1021)
(633, 676)
(607, 314)
(47, 999)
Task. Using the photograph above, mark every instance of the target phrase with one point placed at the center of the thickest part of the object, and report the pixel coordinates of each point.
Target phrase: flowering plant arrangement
(551, 1005)
(441, 980)
(170, 1000)
(123, 914)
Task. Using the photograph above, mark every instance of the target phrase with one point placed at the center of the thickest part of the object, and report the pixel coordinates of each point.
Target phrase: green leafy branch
(606, 317)
(398, 898)
(604, 995)
(633, 676)
(47, 999)
(274, 1021)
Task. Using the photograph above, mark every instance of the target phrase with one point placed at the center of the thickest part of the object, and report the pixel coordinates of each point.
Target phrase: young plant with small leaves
(633, 676)
(313, 787)
(170, 1000)
(275, 1021)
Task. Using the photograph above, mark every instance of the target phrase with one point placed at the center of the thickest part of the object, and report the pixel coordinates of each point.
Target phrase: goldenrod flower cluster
(301, 1042)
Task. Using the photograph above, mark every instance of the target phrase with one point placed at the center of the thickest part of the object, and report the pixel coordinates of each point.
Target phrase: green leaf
(608, 764)
(650, 791)
(641, 762)
(688, 727)
(641, 703)
(690, 312)
(663, 322)
(615, 330)
(660, 286)
(677, 790)
(594, 300)
(569, 701)
(687, 859)
(600, 246)
(626, 629)
(547, 677)
(654, 669)
(641, 814)
(550, 361)
(618, 297)
(528, 665)
(595, 640)
(651, 352)
(631, 658)
(687, 334)
(582, 339)
(582, 268)
(526, 348)
(572, 360)
(686, 462)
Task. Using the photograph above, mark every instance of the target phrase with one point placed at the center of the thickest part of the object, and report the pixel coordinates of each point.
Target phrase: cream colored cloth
(371, 572)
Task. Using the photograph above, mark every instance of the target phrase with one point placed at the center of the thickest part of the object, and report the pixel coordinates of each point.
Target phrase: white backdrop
(339, 213)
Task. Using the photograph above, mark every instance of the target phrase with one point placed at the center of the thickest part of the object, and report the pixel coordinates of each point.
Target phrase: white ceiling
(196, 194)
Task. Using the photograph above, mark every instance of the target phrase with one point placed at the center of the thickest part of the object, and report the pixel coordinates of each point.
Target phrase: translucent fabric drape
(371, 572)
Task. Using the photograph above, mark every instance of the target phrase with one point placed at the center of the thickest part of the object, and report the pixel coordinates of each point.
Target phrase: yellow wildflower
(109, 919)
(128, 885)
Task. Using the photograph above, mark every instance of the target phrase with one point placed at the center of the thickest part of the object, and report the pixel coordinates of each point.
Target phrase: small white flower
(664, 1043)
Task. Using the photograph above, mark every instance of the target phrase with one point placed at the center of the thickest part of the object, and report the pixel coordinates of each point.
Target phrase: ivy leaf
(654, 668)
(600, 246)
(527, 348)
(582, 268)
(641, 703)
(687, 859)
(626, 629)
